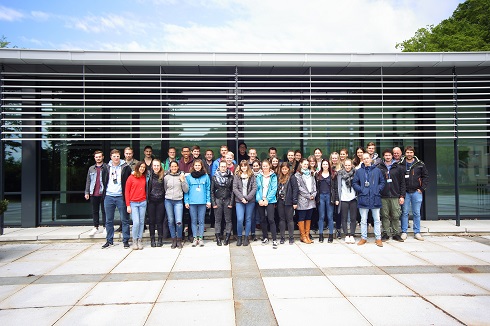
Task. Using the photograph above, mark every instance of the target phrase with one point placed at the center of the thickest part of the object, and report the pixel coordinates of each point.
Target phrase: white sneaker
(419, 237)
(100, 230)
(352, 240)
(265, 241)
(201, 242)
(404, 236)
(274, 244)
(347, 239)
(195, 242)
(104, 232)
(93, 232)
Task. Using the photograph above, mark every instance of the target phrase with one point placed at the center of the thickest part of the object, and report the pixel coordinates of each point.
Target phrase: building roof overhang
(403, 59)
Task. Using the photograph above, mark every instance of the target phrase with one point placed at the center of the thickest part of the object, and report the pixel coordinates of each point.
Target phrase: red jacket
(135, 189)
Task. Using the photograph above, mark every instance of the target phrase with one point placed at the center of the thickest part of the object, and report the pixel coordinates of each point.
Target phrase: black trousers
(97, 203)
(156, 213)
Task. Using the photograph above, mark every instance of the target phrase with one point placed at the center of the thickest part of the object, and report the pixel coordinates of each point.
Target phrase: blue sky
(218, 25)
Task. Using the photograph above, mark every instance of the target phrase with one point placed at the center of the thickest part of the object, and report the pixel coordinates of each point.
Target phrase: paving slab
(45, 316)
(28, 234)
(65, 233)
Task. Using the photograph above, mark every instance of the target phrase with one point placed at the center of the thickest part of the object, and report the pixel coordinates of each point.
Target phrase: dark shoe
(311, 237)
(397, 237)
(245, 241)
(239, 241)
(174, 243)
(107, 245)
(385, 237)
(160, 242)
(291, 241)
(218, 239)
(339, 234)
(180, 245)
(119, 229)
(321, 238)
(330, 238)
(258, 227)
(126, 245)
(153, 243)
(254, 238)
(227, 239)
(282, 241)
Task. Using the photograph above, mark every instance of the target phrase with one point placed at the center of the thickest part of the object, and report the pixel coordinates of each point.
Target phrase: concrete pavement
(58, 276)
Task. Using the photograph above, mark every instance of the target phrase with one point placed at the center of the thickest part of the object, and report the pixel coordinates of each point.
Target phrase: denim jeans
(325, 206)
(414, 199)
(110, 205)
(175, 210)
(198, 212)
(138, 210)
(377, 222)
(244, 212)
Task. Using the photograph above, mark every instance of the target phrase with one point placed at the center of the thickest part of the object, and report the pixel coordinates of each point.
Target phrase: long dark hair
(330, 170)
(356, 160)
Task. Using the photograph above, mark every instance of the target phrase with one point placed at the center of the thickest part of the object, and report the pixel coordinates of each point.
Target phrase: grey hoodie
(174, 188)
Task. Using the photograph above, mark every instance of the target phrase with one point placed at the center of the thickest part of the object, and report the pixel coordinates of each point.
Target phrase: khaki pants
(390, 216)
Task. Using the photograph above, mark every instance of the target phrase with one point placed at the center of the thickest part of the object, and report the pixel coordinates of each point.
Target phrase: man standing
(148, 151)
(196, 152)
(252, 156)
(208, 160)
(113, 198)
(186, 161)
(128, 158)
(392, 196)
(242, 152)
(368, 183)
(272, 152)
(94, 189)
(222, 150)
(371, 149)
(416, 180)
(172, 156)
(397, 154)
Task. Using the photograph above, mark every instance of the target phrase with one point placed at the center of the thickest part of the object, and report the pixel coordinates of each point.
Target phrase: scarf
(347, 177)
(198, 174)
(306, 171)
(222, 178)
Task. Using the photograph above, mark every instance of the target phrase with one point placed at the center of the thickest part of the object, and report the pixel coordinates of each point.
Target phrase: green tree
(468, 29)
(3, 42)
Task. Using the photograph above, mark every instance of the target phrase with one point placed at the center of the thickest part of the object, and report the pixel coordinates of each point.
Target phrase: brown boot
(301, 227)
(179, 243)
(307, 231)
(174, 243)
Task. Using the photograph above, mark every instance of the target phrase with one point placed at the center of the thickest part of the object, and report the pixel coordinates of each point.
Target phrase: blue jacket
(368, 197)
(199, 190)
(271, 191)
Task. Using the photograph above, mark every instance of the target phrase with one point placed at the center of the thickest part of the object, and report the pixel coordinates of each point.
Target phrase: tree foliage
(468, 29)
(3, 42)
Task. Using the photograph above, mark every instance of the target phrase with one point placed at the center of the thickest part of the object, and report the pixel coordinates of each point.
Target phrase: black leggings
(346, 208)
(156, 211)
(270, 217)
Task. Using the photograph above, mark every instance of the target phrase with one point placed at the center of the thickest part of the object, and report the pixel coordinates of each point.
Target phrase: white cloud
(109, 23)
(9, 14)
(40, 15)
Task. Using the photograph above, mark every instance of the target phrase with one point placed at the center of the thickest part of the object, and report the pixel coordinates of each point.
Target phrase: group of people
(269, 195)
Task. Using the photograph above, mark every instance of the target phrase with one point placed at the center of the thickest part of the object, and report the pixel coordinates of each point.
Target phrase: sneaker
(385, 237)
(93, 232)
(119, 229)
(254, 238)
(404, 236)
(265, 241)
(104, 232)
(195, 242)
(352, 239)
(126, 245)
(379, 243)
(291, 241)
(140, 244)
(135, 244)
(361, 242)
(397, 237)
(347, 239)
(201, 242)
(282, 241)
(274, 244)
(419, 237)
(107, 245)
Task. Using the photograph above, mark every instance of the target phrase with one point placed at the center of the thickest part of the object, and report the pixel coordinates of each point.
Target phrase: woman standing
(197, 199)
(266, 198)
(287, 201)
(306, 199)
(356, 162)
(244, 189)
(135, 196)
(275, 165)
(317, 153)
(327, 189)
(348, 202)
(222, 200)
(175, 186)
(156, 201)
(336, 166)
(344, 154)
(256, 216)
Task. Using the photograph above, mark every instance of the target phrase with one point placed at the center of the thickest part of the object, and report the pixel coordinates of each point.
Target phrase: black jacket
(418, 176)
(334, 191)
(222, 192)
(292, 190)
(396, 188)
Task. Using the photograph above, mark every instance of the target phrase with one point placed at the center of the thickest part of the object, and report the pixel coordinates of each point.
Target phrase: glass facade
(58, 114)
